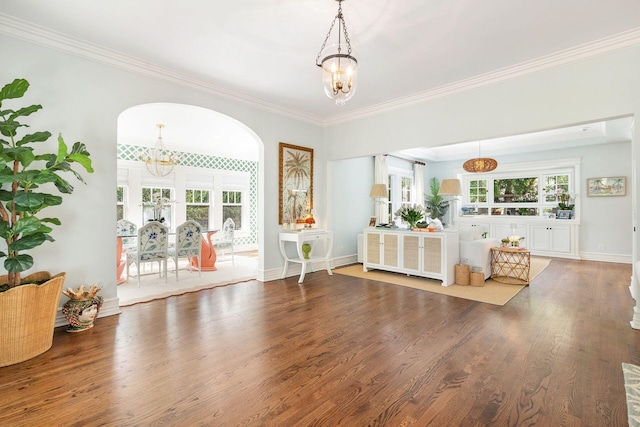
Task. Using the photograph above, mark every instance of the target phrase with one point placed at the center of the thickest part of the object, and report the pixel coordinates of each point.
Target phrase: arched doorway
(216, 177)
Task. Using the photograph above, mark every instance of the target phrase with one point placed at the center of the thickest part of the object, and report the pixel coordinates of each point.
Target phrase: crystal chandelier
(339, 67)
(158, 160)
(480, 164)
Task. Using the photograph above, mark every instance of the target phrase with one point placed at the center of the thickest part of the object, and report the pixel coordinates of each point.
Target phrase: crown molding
(27, 31)
(585, 51)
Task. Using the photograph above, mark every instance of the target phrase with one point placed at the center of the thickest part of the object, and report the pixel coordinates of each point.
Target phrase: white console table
(300, 237)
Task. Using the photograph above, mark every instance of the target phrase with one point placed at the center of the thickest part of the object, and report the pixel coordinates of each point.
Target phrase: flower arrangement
(411, 214)
(515, 240)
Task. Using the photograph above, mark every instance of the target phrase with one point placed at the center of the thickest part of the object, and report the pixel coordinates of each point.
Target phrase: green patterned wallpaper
(132, 152)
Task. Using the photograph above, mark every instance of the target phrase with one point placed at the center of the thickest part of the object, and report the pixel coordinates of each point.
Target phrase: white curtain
(381, 176)
(418, 181)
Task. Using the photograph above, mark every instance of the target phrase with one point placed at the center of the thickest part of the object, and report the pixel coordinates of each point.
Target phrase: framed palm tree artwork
(610, 186)
(296, 182)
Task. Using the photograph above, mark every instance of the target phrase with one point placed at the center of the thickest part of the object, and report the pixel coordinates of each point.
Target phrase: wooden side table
(510, 265)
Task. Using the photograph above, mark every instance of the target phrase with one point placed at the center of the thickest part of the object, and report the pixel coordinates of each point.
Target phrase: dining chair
(188, 244)
(128, 230)
(153, 242)
(225, 243)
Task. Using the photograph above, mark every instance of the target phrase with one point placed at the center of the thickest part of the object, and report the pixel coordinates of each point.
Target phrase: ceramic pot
(81, 313)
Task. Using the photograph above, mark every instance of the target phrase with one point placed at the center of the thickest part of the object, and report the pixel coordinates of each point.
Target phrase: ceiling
(264, 51)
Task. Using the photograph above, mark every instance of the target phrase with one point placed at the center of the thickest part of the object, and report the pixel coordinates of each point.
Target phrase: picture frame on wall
(607, 186)
(295, 182)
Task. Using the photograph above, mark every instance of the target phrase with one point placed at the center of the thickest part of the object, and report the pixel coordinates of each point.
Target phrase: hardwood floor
(343, 351)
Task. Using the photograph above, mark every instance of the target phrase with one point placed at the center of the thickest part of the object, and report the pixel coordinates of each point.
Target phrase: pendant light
(339, 66)
(480, 164)
(158, 160)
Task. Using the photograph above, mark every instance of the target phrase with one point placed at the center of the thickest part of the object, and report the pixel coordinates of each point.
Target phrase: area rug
(632, 386)
(152, 287)
(491, 293)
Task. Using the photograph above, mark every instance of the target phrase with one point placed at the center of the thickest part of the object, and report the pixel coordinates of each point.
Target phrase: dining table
(207, 254)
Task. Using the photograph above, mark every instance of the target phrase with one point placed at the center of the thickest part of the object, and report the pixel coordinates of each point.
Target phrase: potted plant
(28, 305)
(411, 214)
(435, 204)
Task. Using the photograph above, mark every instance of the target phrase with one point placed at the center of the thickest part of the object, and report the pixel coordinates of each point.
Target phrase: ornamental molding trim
(36, 34)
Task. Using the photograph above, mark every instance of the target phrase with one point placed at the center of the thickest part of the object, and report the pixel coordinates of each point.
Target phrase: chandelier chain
(338, 17)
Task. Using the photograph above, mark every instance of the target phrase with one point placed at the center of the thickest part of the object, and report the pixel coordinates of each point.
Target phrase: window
(478, 191)
(400, 190)
(524, 191)
(120, 192)
(157, 204)
(198, 207)
(232, 207)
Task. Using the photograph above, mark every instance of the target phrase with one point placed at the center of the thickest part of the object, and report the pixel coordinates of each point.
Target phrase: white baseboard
(109, 308)
(599, 256)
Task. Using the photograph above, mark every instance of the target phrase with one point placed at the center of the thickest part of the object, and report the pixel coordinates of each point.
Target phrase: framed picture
(296, 182)
(372, 221)
(564, 214)
(609, 186)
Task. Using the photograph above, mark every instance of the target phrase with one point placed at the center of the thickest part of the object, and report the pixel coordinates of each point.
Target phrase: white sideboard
(424, 254)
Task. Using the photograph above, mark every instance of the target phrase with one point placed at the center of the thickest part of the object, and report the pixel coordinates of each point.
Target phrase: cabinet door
(391, 249)
(373, 248)
(432, 249)
(411, 253)
(540, 238)
(560, 239)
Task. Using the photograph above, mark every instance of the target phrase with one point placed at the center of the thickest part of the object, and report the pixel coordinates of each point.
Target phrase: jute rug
(491, 293)
(632, 386)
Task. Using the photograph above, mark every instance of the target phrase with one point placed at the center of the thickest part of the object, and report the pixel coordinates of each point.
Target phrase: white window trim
(395, 176)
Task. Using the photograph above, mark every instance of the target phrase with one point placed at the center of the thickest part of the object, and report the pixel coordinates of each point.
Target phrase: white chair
(475, 251)
(188, 244)
(128, 230)
(153, 242)
(226, 242)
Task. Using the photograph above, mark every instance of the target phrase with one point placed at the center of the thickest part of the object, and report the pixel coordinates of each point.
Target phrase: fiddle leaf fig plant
(22, 173)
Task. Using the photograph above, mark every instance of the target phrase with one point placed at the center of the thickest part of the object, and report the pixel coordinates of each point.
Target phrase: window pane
(166, 193)
(225, 197)
(146, 194)
(199, 214)
(233, 212)
(238, 197)
(120, 194)
(119, 212)
(189, 196)
(205, 196)
(515, 190)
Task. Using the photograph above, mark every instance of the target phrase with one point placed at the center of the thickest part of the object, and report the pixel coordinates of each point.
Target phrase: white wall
(82, 99)
(605, 220)
(584, 91)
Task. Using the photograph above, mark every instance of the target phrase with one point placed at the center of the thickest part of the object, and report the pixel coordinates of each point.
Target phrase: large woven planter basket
(27, 317)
